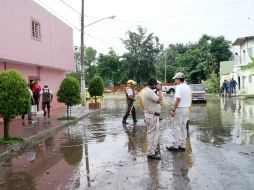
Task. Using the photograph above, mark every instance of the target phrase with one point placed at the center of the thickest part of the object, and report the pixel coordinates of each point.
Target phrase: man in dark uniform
(47, 96)
(130, 98)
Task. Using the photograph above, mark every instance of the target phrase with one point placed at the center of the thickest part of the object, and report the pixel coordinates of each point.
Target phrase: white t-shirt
(183, 91)
(50, 91)
(149, 99)
(30, 91)
(129, 92)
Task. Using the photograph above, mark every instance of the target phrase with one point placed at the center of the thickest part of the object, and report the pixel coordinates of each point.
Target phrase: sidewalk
(32, 133)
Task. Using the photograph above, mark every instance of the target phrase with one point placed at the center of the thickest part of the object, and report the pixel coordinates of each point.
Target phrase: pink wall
(50, 77)
(55, 50)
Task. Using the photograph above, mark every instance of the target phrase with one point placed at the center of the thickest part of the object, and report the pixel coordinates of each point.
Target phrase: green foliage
(11, 140)
(76, 75)
(96, 87)
(110, 67)
(143, 50)
(69, 92)
(14, 95)
(144, 58)
(196, 60)
(212, 85)
(90, 59)
(249, 66)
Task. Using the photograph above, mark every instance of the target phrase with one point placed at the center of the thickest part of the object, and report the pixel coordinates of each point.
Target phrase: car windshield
(197, 88)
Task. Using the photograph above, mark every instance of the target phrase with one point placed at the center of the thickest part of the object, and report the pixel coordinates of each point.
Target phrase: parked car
(198, 93)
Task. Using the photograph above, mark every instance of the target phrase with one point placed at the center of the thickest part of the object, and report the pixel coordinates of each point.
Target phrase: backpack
(45, 95)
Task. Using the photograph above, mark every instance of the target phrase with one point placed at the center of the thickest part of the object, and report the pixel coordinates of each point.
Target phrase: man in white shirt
(151, 105)
(180, 113)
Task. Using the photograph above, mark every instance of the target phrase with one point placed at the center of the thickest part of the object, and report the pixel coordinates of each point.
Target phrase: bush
(213, 84)
(76, 75)
(96, 87)
(69, 93)
(14, 97)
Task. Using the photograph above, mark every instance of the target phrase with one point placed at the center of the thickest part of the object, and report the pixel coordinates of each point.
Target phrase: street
(100, 153)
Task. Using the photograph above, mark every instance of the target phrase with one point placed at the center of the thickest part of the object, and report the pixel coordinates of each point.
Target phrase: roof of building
(241, 40)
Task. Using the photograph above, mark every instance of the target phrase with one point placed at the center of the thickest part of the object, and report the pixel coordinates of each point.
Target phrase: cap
(178, 76)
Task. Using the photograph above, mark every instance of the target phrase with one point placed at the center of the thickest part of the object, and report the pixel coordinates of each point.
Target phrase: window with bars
(36, 30)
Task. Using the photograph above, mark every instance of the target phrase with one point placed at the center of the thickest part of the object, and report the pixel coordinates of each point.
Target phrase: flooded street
(100, 153)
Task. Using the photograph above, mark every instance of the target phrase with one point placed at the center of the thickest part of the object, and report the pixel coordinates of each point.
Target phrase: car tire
(171, 92)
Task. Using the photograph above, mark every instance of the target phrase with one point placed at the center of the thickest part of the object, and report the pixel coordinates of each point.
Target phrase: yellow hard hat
(132, 82)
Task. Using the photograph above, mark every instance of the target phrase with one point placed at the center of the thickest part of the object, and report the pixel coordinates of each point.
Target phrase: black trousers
(36, 99)
(44, 105)
(133, 112)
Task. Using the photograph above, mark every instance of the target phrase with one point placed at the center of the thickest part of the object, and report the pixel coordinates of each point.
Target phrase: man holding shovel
(130, 98)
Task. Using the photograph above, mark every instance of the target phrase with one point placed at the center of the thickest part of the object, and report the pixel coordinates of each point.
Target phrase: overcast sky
(173, 21)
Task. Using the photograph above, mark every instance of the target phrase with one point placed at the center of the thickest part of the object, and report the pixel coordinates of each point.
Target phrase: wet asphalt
(100, 153)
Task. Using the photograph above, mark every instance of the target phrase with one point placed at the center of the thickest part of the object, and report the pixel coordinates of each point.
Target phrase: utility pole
(82, 63)
(165, 71)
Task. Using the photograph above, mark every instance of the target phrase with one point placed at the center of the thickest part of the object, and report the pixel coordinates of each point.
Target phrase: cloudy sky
(173, 21)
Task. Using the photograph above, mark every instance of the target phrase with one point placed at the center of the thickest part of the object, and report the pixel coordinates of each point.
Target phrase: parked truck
(169, 88)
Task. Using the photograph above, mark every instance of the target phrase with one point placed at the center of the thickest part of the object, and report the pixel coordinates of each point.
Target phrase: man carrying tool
(130, 98)
(180, 113)
(152, 108)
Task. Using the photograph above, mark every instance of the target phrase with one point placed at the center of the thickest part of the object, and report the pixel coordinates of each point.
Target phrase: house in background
(34, 42)
(234, 69)
(226, 70)
(245, 78)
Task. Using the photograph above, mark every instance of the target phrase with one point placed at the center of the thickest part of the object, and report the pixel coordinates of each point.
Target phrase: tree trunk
(6, 129)
(67, 112)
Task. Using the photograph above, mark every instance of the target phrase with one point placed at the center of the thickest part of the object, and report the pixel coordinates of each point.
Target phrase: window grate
(36, 30)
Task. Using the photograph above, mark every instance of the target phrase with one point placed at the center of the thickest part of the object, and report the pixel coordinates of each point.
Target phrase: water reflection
(96, 128)
(72, 149)
(227, 120)
(153, 173)
(182, 162)
(19, 180)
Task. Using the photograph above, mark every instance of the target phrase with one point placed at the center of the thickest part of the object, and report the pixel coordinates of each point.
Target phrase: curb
(10, 149)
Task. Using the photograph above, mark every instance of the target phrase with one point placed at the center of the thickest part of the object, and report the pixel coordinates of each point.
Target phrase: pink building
(35, 43)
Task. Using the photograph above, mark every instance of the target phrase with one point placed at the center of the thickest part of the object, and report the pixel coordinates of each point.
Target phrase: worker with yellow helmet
(130, 98)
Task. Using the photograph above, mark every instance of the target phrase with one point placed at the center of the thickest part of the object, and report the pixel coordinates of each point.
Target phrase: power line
(70, 7)
(185, 14)
(59, 16)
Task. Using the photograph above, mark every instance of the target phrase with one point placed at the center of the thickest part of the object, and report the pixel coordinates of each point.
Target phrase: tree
(213, 84)
(110, 67)
(141, 56)
(76, 75)
(196, 60)
(96, 87)
(90, 64)
(69, 93)
(90, 58)
(14, 97)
